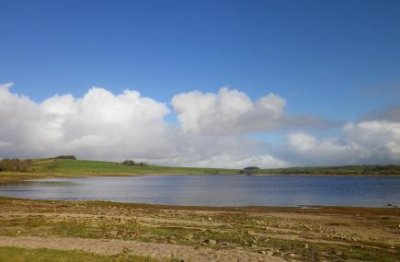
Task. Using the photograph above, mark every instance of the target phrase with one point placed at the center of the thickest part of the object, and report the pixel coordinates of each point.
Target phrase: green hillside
(41, 168)
(86, 167)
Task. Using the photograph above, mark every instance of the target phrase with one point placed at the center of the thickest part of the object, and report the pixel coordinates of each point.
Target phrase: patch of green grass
(45, 168)
(15, 254)
(83, 167)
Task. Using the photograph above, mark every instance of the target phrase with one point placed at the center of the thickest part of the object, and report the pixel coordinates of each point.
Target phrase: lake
(217, 190)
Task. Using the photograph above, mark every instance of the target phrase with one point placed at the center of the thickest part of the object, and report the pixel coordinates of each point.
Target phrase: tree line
(133, 163)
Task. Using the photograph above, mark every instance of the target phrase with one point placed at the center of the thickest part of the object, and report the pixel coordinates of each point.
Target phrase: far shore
(52, 168)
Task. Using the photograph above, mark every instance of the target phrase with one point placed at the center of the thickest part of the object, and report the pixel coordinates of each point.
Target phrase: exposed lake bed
(176, 233)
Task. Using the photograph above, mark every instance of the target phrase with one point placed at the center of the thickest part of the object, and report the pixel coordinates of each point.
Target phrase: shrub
(133, 163)
(15, 164)
(72, 157)
(249, 170)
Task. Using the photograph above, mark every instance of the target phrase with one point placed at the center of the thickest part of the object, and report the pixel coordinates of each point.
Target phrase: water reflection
(217, 190)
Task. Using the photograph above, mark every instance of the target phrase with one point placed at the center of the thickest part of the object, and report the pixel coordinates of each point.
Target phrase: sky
(202, 83)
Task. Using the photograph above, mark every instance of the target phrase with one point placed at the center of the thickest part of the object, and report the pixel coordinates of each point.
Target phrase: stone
(250, 232)
(172, 241)
(211, 241)
(189, 237)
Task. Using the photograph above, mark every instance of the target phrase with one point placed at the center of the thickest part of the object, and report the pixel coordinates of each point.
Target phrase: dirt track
(155, 250)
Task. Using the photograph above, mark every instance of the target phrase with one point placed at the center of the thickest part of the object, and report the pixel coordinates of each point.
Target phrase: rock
(276, 253)
(189, 237)
(263, 252)
(172, 241)
(306, 246)
(250, 232)
(253, 245)
(211, 241)
(292, 255)
(209, 218)
(270, 253)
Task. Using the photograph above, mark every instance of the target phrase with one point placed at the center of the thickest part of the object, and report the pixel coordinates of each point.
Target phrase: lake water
(213, 190)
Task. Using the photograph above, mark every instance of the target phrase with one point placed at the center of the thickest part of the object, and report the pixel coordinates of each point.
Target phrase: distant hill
(66, 165)
(87, 167)
(334, 170)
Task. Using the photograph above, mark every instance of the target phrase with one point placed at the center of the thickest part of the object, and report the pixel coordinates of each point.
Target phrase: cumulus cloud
(312, 151)
(381, 138)
(213, 130)
(102, 125)
(373, 139)
(231, 111)
(365, 142)
(240, 161)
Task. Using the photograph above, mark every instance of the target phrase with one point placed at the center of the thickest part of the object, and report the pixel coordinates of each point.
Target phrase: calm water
(217, 190)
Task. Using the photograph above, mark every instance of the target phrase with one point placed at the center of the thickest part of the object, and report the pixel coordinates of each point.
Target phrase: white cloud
(212, 130)
(368, 142)
(228, 111)
(225, 160)
(380, 137)
(102, 125)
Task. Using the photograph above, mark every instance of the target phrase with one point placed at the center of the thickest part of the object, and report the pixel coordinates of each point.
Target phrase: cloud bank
(212, 129)
(367, 142)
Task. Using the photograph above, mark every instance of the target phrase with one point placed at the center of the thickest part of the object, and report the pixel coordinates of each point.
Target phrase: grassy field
(85, 167)
(74, 168)
(99, 167)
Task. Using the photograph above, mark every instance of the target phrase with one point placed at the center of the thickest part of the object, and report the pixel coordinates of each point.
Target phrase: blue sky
(336, 60)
